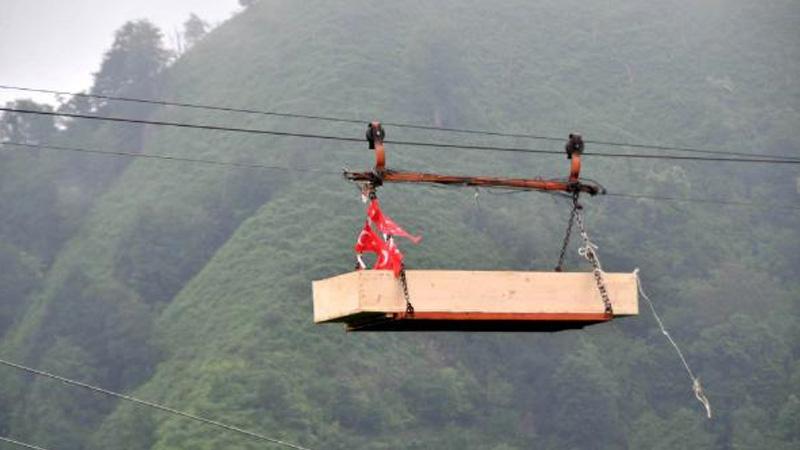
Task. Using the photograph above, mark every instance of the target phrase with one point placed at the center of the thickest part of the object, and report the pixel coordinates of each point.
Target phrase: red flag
(369, 241)
(386, 224)
(390, 258)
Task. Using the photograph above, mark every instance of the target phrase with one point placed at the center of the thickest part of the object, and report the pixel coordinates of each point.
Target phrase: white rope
(697, 388)
(589, 249)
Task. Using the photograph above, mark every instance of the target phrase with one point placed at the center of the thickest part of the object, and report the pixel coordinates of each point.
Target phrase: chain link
(404, 284)
(575, 207)
(588, 252)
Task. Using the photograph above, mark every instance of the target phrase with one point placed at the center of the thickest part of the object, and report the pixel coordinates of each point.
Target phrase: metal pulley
(375, 135)
(574, 145)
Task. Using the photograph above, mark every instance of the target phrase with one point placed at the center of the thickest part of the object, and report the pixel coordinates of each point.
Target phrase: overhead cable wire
(8, 440)
(401, 143)
(688, 149)
(167, 158)
(153, 405)
(181, 125)
(393, 124)
(703, 200)
(189, 105)
(331, 172)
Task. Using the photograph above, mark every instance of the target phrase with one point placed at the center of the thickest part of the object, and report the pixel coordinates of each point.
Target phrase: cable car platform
(448, 300)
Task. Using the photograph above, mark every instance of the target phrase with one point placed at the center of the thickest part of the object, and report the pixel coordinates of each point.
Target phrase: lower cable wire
(149, 404)
(8, 440)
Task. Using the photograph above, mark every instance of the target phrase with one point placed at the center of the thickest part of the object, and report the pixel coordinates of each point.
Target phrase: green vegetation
(190, 285)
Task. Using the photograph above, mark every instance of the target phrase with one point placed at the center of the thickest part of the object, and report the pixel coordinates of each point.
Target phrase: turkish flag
(369, 241)
(390, 258)
(386, 224)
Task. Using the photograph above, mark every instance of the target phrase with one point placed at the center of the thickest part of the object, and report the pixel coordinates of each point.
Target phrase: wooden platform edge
(355, 295)
(476, 322)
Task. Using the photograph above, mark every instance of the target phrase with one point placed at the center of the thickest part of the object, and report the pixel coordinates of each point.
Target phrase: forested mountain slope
(190, 285)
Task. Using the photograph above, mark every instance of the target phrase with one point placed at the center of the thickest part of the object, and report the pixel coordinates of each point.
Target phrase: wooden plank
(337, 297)
(477, 316)
(375, 292)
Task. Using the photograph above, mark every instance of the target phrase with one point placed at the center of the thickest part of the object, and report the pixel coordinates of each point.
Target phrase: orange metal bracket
(375, 136)
(575, 168)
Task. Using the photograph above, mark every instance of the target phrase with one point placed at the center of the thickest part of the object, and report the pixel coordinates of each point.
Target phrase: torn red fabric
(369, 241)
(390, 258)
(386, 224)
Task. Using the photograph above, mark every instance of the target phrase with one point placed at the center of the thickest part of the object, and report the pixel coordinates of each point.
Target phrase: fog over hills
(190, 284)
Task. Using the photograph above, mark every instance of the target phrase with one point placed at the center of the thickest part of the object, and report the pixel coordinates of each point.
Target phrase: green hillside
(190, 285)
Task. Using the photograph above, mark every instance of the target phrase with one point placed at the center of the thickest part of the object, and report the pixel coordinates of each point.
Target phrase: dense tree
(194, 29)
(681, 430)
(131, 68)
(53, 415)
(135, 58)
(30, 128)
(20, 274)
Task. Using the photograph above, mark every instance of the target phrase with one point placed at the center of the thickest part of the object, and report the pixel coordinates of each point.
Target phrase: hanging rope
(697, 388)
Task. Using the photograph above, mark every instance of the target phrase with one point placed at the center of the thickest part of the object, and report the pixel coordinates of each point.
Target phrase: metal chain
(588, 252)
(575, 207)
(404, 284)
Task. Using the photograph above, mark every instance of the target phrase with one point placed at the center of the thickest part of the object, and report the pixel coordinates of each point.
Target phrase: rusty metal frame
(380, 174)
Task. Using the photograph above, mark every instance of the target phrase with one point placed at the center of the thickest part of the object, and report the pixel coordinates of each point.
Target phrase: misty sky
(58, 44)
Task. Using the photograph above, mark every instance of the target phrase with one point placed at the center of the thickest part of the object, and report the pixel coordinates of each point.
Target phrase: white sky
(58, 44)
